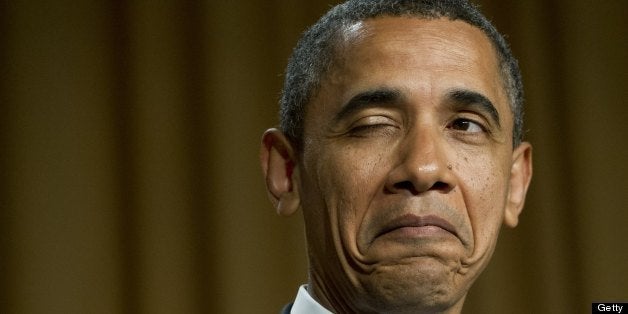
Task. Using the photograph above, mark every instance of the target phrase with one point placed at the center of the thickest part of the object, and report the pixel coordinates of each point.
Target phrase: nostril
(406, 185)
(409, 187)
(440, 186)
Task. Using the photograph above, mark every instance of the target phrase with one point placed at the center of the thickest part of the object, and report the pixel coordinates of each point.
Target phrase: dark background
(129, 157)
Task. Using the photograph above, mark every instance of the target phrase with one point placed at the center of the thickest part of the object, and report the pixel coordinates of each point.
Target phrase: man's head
(406, 160)
(317, 49)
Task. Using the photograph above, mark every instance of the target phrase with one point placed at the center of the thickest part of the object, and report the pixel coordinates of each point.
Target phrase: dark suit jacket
(286, 309)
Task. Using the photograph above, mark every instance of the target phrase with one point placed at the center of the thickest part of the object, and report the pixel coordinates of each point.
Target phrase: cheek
(349, 178)
(484, 188)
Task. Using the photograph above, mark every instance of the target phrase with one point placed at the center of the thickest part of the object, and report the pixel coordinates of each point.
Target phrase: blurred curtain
(130, 183)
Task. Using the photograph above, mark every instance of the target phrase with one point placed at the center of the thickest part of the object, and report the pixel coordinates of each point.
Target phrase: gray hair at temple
(314, 54)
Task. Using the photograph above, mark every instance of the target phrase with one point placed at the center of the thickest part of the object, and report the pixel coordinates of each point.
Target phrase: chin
(421, 285)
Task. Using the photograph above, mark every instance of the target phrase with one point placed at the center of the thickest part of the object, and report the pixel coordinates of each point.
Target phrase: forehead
(413, 27)
(410, 53)
(429, 42)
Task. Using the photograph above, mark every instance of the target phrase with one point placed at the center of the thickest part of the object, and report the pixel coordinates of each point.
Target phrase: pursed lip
(414, 221)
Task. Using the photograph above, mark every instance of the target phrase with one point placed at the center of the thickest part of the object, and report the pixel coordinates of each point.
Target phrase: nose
(422, 165)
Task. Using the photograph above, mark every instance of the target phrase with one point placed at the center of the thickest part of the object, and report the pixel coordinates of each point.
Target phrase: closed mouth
(413, 221)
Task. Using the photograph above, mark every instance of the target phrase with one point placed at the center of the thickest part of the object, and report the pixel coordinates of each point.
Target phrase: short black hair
(314, 53)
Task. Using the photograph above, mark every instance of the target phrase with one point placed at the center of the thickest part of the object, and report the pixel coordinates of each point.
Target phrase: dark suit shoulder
(286, 309)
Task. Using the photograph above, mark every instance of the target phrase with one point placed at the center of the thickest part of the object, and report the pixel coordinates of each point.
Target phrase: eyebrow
(463, 98)
(379, 97)
(387, 97)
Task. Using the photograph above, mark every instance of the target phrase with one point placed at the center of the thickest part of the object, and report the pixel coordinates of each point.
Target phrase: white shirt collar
(305, 304)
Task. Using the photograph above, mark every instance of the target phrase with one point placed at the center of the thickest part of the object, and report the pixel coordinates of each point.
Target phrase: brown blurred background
(129, 157)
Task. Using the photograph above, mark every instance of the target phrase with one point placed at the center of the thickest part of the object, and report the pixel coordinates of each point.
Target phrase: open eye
(466, 125)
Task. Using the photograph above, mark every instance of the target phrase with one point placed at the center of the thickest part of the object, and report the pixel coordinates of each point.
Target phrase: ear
(520, 176)
(277, 156)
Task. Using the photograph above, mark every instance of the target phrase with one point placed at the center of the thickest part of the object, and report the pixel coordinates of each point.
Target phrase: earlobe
(279, 166)
(520, 176)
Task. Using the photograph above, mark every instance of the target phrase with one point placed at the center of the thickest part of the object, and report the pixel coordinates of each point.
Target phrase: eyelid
(372, 120)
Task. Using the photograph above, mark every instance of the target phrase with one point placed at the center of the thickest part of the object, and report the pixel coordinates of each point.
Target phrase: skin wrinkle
(341, 250)
(370, 201)
(490, 249)
(471, 261)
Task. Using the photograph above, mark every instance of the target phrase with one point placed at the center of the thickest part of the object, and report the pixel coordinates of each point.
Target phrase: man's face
(405, 175)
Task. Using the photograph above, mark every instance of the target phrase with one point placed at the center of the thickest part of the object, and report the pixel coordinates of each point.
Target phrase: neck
(338, 303)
